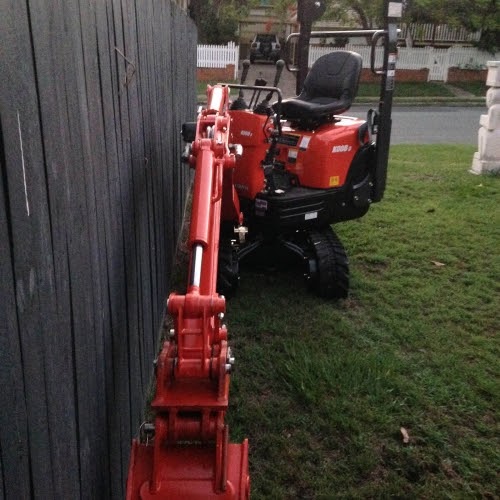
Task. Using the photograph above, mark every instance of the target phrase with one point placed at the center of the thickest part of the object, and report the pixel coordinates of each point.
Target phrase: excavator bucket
(187, 473)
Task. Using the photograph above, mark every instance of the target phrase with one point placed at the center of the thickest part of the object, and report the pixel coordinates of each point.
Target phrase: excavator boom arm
(188, 454)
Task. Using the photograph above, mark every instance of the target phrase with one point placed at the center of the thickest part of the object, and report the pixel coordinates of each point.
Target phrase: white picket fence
(218, 56)
(438, 61)
(438, 33)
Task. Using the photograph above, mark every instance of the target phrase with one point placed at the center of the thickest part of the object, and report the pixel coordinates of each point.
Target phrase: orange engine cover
(321, 158)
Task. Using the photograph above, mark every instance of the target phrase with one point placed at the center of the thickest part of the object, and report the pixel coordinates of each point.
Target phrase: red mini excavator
(266, 176)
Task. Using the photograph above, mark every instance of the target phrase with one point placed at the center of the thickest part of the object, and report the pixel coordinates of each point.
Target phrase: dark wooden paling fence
(92, 96)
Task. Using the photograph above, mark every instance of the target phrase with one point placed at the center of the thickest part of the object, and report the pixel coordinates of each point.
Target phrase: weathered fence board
(27, 216)
(13, 424)
(91, 196)
(116, 294)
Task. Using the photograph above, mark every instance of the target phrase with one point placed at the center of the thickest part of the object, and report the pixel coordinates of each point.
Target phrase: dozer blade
(187, 473)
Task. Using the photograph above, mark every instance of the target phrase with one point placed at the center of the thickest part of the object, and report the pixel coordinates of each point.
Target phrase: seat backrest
(334, 75)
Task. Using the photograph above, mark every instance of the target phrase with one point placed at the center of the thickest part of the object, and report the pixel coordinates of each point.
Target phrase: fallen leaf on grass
(448, 469)
(437, 263)
(406, 436)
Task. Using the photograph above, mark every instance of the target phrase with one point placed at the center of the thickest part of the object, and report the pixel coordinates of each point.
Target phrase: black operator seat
(329, 88)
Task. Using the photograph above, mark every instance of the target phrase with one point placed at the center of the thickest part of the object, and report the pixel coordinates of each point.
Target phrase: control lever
(240, 103)
(280, 64)
(263, 107)
(259, 82)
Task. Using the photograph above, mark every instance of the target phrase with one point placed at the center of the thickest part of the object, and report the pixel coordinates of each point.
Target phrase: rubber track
(332, 280)
(228, 270)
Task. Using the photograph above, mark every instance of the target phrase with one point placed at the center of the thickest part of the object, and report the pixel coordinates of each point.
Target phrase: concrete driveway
(268, 72)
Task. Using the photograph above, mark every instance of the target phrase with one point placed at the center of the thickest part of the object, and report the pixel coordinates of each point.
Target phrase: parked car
(265, 46)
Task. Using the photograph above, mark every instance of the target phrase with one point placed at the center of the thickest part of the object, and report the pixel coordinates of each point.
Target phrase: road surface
(431, 124)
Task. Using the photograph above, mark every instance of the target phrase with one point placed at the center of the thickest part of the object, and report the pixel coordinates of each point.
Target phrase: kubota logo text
(341, 149)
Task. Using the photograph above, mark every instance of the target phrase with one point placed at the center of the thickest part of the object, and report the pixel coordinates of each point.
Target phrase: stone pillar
(487, 159)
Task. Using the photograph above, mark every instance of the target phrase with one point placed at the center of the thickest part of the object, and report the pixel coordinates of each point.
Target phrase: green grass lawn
(477, 88)
(407, 89)
(201, 87)
(322, 389)
(403, 89)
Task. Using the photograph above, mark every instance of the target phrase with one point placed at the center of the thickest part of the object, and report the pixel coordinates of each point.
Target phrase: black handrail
(329, 34)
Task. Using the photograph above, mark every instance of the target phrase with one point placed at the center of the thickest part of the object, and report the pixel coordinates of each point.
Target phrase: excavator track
(228, 273)
(328, 265)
